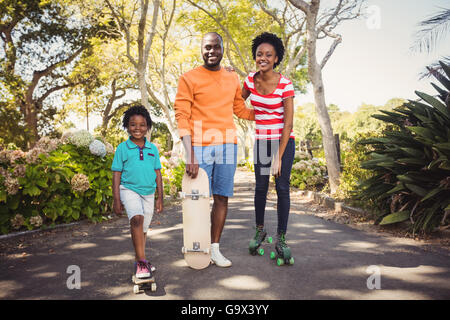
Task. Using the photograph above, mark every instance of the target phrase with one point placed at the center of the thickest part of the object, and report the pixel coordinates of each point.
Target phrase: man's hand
(192, 168)
(191, 160)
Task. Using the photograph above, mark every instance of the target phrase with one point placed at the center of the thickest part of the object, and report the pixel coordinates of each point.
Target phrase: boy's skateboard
(196, 220)
(140, 285)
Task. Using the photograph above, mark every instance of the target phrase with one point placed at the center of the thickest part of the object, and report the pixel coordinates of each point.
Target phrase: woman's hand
(275, 169)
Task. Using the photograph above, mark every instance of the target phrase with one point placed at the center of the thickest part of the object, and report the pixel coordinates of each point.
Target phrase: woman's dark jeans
(264, 150)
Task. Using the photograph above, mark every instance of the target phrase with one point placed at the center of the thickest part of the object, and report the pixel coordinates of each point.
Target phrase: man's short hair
(216, 34)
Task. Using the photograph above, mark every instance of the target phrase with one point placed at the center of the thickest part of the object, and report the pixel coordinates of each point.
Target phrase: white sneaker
(217, 258)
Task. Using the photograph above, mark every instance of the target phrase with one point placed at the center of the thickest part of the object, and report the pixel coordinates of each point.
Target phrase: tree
(123, 14)
(433, 30)
(42, 41)
(226, 17)
(319, 26)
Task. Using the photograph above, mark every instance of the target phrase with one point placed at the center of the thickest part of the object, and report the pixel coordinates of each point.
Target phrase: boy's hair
(272, 39)
(136, 110)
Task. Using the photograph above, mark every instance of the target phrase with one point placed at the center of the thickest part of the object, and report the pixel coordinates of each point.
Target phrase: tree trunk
(315, 74)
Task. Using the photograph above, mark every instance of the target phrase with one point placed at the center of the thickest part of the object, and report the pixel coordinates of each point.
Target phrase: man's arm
(239, 107)
(191, 160)
(183, 104)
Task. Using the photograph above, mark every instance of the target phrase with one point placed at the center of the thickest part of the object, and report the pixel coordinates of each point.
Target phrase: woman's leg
(262, 161)
(283, 187)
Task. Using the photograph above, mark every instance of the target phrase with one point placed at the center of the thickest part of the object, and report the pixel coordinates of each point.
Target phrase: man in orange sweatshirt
(206, 100)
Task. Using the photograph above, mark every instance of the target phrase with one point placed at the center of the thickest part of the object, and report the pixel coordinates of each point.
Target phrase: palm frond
(433, 30)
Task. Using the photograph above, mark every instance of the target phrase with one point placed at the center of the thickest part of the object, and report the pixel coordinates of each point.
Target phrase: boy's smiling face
(137, 127)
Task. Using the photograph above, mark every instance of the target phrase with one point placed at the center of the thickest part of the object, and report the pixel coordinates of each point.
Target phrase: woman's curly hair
(271, 39)
(136, 110)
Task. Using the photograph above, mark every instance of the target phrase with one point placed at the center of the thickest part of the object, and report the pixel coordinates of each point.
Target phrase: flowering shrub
(98, 148)
(58, 180)
(172, 172)
(307, 172)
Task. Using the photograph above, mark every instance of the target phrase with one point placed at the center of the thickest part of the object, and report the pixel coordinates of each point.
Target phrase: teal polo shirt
(137, 166)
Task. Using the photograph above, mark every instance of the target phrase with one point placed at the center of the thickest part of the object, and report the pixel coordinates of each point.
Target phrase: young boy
(136, 177)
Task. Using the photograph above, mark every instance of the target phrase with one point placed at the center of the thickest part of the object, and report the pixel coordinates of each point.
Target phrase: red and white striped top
(269, 109)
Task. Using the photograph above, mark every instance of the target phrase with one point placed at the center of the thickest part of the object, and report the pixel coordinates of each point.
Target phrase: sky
(374, 62)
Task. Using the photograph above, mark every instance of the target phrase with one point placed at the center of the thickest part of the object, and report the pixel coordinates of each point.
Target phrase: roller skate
(283, 252)
(254, 246)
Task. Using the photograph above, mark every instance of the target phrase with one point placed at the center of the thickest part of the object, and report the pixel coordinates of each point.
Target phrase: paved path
(331, 261)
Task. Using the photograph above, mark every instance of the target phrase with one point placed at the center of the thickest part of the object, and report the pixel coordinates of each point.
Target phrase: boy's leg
(138, 237)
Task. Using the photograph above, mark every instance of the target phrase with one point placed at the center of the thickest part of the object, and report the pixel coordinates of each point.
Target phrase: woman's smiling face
(265, 57)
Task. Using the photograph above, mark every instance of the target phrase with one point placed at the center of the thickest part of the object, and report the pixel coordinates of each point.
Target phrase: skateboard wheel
(269, 240)
(207, 250)
(272, 255)
(261, 251)
(153, 287)
(291, 261)
(136, 289)
(280, 262)
(183, 250)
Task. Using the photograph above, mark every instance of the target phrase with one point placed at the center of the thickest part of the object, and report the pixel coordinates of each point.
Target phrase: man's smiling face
(212, 50)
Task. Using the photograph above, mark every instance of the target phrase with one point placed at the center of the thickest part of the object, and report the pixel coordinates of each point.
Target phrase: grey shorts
(136, 204)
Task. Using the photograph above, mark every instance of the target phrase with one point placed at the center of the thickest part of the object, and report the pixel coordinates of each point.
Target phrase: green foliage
(411, 162)
(307, 172)
(61, 185)
(172, 172)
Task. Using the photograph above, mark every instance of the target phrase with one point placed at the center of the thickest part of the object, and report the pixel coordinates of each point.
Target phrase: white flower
(17, 221)
(80, 182)
(81, 138)
(36, 221)
(97, 148)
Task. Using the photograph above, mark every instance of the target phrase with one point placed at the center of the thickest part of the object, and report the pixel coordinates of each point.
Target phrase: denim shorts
(219, 162)
(136, 204)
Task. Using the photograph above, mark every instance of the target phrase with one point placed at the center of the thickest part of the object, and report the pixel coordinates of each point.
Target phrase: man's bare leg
(218, 216)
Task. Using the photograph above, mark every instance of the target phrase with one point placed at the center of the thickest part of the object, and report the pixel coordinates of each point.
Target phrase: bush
(172, 172)
(411, 162)
(55, 182)
(307, 172)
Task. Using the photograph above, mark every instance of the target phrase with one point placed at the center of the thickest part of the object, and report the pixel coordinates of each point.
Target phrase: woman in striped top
(271, 95)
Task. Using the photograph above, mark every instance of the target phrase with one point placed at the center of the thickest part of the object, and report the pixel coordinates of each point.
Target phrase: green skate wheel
(287, 253)
(280, 262)
(269, 240)
(291, 261)
(261, 251)
(272, 255)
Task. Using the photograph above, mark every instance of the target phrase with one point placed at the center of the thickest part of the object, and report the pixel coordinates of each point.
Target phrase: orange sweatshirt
(205, 103)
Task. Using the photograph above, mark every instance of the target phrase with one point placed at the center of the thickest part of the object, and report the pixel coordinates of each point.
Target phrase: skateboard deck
(196, 220)
(140, 285)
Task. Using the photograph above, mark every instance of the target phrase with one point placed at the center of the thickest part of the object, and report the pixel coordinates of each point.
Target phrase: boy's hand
(159, 205)
(117, 207)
